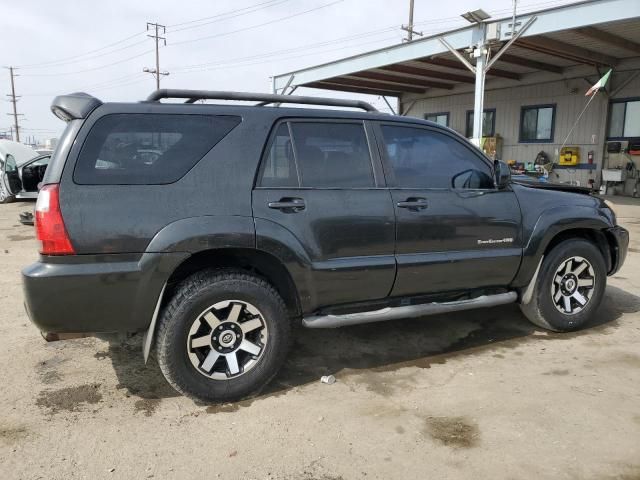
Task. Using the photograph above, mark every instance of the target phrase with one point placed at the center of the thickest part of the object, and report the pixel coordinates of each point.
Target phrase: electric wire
(201, 22)
(270, 22)
(50, 63)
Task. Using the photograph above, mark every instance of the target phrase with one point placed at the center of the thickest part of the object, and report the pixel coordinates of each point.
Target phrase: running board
(409, 311)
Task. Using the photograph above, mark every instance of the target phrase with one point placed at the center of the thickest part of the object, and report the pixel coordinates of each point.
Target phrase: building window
(488, 123)
(624, 119)
(537, 123)
(439, 118)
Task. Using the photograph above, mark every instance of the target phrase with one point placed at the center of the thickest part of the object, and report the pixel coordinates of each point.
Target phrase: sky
(101, 47)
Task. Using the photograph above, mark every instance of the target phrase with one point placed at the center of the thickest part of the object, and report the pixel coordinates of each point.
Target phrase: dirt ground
(479, 394)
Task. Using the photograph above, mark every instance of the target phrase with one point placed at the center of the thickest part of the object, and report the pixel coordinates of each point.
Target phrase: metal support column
(478, 101)
(480, 70)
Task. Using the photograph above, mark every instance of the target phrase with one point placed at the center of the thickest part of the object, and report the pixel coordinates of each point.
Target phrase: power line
(93, 69)
(66, 59)
(294, 49)
(239, 63)
(258, 25)
(267, 55)
(80, 57)
(95, 86)
(80, 60)
(227, 15)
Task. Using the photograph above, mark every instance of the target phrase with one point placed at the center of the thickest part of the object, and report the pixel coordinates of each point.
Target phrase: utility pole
(156, 71)
(14, 99)
(409, 28)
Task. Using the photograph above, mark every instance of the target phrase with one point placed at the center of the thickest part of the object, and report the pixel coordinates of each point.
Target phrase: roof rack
(265, 98)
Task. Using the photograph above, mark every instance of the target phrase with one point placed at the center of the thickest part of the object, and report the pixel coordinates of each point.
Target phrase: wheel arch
(595, 236)
(251, 260)
(558, 224)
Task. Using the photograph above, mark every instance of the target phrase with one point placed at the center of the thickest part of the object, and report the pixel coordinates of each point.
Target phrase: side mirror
(503, 174)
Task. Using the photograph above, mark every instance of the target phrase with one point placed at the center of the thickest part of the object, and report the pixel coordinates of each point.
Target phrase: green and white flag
(599, 84)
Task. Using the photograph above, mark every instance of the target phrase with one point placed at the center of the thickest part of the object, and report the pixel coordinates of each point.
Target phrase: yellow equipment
(569, 155)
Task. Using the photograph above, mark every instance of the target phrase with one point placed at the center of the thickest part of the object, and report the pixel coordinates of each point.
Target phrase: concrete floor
(479, 394)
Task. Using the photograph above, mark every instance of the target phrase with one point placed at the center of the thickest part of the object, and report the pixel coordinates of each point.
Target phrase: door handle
(414, 203)
(289, 205)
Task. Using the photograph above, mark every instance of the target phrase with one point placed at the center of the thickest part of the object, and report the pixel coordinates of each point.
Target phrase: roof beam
(412, 82)
(566, 51)
(445, 62)
(424, 73)
(550, 21)
(525, 62)
(609, 38)
(351, 82)
(342, 88)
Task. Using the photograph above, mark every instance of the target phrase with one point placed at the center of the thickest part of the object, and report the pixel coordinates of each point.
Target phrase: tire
(547, 307)
(4, 196)
(204, 303)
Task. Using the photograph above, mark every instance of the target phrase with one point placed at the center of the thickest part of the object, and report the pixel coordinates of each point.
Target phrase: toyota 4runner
(212, 228)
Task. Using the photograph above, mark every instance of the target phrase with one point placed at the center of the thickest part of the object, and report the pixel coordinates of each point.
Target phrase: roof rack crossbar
(194, 95)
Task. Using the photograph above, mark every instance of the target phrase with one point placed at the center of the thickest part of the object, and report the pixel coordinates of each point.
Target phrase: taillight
(50, 229)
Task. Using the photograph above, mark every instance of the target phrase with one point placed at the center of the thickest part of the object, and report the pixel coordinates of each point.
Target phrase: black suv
(212, 228)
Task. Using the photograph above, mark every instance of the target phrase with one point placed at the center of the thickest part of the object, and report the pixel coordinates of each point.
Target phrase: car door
(11, 176)
(455, 230)
(322, 184)
(33, 172)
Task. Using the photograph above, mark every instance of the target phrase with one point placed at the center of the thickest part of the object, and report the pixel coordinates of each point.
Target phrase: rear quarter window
(147, 149)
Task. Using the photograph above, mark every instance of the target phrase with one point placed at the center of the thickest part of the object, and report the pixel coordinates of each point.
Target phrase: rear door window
(144, 149)
(332, 155)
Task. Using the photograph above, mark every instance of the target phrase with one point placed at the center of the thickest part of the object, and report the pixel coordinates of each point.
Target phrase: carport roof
(599, 33)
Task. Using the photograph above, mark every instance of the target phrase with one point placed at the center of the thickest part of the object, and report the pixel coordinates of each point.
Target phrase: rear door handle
(289, 205)
(414, 203)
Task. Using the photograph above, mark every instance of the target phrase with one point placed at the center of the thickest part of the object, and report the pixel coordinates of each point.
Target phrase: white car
(21, 171)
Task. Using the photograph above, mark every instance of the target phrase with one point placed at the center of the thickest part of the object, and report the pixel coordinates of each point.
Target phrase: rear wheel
(222, 336)
(569, 287)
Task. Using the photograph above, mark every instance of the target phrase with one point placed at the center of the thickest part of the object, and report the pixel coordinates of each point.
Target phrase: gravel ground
(479, 394)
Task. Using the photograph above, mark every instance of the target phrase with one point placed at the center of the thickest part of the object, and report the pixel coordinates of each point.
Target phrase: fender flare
(550, 223)
(197, 234)
(192, 235)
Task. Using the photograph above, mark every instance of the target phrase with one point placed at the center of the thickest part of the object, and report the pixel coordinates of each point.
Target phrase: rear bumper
(620, 237)
(96, 293)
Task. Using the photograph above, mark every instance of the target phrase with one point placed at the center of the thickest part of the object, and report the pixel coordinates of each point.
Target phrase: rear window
(145, 149)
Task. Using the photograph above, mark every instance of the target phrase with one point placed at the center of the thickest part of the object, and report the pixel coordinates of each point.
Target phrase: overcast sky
(100, 47)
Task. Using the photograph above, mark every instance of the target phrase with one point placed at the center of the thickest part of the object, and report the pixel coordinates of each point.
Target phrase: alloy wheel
(573, 285)
(227, 339)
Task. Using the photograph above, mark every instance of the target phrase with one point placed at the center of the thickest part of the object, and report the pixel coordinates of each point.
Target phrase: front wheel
(5, 197)
(222, 336)
(569, 287)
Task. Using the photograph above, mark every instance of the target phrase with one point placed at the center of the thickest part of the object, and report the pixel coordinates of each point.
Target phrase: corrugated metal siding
(632, 89)
(567, 95)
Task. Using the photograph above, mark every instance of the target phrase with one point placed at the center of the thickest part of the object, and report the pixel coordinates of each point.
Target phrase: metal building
(533, 92)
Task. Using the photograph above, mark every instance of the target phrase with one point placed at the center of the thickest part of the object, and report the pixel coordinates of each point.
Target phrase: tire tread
(187, 290)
